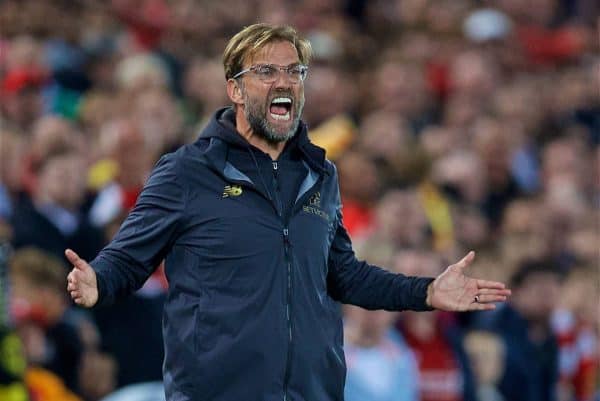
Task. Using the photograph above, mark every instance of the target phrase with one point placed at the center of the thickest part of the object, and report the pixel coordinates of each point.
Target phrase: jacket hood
(222, 126)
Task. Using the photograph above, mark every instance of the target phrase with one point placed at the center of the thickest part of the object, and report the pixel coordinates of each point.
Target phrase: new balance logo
(232, 190)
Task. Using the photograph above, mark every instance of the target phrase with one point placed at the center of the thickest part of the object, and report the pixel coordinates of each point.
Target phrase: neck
(244, 129)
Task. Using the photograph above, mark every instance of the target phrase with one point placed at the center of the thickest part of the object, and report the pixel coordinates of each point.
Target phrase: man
(52, 218)
(248, 221)
(531, 361)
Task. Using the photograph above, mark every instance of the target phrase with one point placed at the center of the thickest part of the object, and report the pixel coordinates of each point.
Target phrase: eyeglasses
(269, 73)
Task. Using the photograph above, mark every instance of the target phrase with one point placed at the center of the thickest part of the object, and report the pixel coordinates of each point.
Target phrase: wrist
(429, 297)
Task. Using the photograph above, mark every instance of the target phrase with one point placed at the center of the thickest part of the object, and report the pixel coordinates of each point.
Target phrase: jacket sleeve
(358, 283)
(145, 237)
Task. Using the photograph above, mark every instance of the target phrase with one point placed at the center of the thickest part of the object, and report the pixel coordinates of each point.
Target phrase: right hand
(82, 284)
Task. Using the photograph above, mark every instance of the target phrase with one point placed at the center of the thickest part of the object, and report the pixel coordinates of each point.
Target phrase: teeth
(278, 100)
(281, 117)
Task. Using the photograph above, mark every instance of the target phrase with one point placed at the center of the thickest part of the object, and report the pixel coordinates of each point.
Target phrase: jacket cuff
(420, 294)
(104, 294)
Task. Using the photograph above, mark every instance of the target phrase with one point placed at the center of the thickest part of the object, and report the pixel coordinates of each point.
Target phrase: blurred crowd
(454, 124)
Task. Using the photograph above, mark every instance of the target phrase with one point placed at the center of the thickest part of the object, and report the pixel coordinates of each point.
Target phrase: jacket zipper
(286, 242)
(288, 297)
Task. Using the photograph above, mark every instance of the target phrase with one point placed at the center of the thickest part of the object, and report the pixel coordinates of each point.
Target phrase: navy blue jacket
(258, 262)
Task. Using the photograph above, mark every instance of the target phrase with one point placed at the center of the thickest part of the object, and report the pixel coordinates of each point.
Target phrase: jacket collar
(222, 134)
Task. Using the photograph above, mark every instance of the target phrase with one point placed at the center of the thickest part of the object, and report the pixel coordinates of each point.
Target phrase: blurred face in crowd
(493, 149)
(464, 173)
(52, 131)
(486, 354)
(519, 103)
(401, 218)
(62, 181)
(355, 164)
(400, 88)
(383, 134)
(537, 296)
(417, 263)
(561, 163)
(158, 118)
(368, 327)
(330, 92)
(473, 74)
(203, 84)
(123, 142)
(274, 122)
(22, 107)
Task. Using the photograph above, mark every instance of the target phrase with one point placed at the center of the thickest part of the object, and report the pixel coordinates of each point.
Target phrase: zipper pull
(286, 237)
(275, 165)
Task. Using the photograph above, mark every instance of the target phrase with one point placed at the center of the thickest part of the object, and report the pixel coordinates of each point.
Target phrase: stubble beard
(256, 115)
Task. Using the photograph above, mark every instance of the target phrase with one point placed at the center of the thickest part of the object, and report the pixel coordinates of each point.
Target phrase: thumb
(76, 261)
(466, 261)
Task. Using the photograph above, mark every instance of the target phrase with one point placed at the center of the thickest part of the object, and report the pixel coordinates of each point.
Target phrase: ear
(234, 91)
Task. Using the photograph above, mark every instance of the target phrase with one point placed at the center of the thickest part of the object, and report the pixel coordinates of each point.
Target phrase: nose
(283, 80)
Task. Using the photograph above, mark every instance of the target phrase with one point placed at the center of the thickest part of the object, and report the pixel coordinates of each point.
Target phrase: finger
(75, 260)
(466, 261)
(484, 299)
(480, 306)
(71, 287)
(493, 291)
(481, 284)
(75, 277)
(75, 294)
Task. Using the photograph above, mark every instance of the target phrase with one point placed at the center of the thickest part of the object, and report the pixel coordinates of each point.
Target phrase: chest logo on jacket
(232, 190)
(313, 206)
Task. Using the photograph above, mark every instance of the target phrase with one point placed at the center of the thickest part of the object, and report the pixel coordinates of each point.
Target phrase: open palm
(454, 291)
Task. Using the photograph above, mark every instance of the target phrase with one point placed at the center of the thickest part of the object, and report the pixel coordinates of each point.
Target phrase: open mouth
(281, 108)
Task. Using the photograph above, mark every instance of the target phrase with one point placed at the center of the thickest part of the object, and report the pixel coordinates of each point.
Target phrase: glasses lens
(270, 73)
(266, 73)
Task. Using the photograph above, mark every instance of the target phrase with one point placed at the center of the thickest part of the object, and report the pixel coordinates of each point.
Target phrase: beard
(256, 115)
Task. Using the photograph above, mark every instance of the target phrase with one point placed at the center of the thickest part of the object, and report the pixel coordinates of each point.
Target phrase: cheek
(252, 102)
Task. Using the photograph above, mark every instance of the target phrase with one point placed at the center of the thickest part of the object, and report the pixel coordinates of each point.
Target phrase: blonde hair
(251, 39)
(40, 268)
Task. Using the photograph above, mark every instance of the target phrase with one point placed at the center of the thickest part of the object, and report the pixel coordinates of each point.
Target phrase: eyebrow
(297, 63)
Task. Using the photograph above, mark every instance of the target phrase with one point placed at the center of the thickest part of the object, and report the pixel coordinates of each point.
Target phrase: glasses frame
(281, 68)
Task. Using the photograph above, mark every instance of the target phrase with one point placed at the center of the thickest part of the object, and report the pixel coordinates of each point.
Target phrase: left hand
(453, 291)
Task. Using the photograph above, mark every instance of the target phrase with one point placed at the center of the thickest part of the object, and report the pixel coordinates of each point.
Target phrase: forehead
(62, 160)
(279, 52)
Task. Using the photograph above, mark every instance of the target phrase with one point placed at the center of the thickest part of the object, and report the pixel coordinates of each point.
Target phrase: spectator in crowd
(531, 369)
(573, 325)
(444, 371)
(486, 353)
(40, 309)
(54, 216)
(381, 366)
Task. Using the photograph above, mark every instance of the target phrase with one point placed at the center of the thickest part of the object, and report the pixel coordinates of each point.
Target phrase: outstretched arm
(355, 282)
(141, 244)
